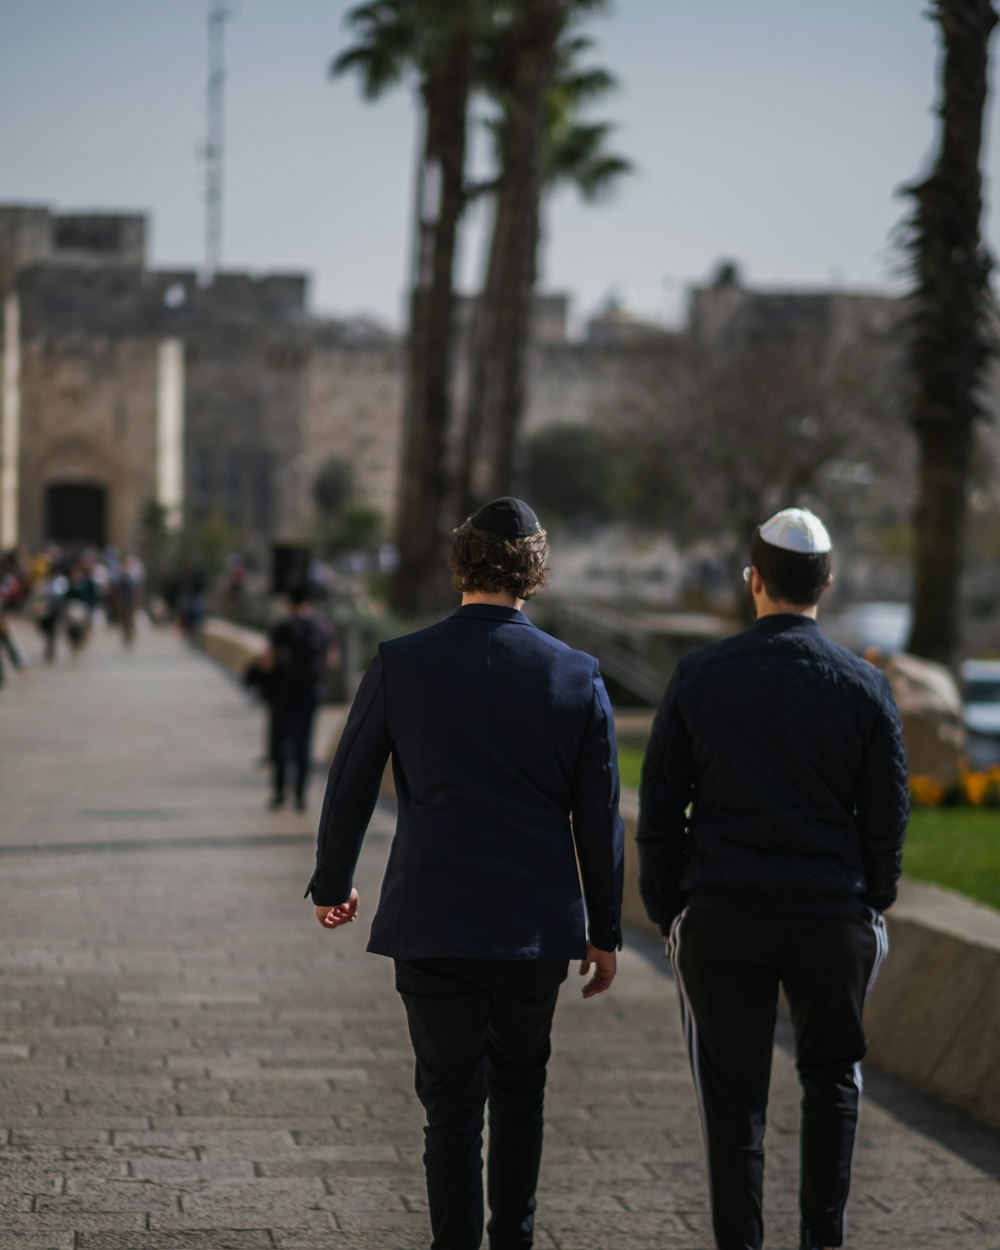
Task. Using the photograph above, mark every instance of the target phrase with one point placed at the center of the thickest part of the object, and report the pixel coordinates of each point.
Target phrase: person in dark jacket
(8, 644)
(772, 812)
(291, 672)
(505, 767)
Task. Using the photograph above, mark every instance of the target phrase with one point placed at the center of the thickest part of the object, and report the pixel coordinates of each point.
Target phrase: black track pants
(728, 966)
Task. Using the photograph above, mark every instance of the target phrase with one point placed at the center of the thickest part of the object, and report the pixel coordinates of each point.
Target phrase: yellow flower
(976, 786)
(926, 791)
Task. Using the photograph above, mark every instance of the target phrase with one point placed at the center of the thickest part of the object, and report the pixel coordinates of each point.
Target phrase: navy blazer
(503, 754)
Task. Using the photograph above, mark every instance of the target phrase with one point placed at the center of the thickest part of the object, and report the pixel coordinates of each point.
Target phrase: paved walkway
(187, 1061)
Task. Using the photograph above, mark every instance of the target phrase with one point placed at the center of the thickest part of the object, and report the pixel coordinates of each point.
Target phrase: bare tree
(738, 425)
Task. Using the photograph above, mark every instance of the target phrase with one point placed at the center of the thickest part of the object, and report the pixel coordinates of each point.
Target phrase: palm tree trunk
(428, 415)
(950, 345)
(472, 485)
(945, 458)
(498, 375)
(513, 341)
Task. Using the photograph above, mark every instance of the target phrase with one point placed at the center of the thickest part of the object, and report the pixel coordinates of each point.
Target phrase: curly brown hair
(498, 563)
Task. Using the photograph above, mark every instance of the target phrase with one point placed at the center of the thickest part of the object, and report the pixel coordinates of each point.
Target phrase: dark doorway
(76, 514)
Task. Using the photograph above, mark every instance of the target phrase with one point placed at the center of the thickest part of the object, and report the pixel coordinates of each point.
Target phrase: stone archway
(76, 512)
(74, 490)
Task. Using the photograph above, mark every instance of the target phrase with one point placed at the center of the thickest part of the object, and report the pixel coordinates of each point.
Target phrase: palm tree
(540, 142)
(436, 41)
(950, 345)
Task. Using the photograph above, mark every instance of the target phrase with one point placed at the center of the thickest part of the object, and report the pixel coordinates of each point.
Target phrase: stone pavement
(187, 1062)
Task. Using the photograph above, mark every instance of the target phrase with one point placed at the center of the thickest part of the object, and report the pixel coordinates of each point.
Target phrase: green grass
(630, 765)
(957, 847)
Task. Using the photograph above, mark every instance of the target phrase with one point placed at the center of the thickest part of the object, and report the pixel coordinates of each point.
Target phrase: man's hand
(605, 966)
(343, 913)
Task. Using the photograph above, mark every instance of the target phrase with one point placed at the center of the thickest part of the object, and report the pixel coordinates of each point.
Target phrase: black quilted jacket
(775, 779)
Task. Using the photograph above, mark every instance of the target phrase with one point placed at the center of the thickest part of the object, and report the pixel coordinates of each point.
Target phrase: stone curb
(232, 646)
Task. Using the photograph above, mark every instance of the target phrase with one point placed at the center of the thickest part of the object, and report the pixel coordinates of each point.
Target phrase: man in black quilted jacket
(772, 814)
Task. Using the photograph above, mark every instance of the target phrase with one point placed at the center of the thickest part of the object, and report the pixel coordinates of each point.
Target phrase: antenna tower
(218, 15)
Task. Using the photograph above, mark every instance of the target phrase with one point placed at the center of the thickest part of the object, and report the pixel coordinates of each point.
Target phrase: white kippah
(797, 529)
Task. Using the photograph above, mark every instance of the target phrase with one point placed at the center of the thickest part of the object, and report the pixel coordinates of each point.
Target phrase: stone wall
(244, 416)
(934, 1016)
(354, 411)
(25, 239)
(31, 234)
(90, 340)
(271, 392)
(88, 416)
(584, 384)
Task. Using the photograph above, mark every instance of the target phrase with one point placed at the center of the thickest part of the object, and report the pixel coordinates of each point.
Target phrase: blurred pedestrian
(126, 590)
(772, 812)
(193, 602)
(8, 644)
(294, 663)
(503, 755)
(258, 679)
(14, 579)
(49, 602)
(79, 603)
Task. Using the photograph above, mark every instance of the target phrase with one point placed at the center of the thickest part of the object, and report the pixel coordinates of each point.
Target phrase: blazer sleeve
(883, 803)
(666, 791)
(598, 832)
(351, 791)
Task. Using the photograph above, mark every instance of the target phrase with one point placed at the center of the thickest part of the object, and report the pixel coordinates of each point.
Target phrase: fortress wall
(354, 411)
(88, 415)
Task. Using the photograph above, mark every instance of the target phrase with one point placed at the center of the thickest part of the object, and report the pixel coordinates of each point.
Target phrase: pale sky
(775, 132)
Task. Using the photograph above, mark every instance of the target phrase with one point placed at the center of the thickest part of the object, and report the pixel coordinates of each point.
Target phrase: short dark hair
(299, 593)
(498, 563)
(796, 577)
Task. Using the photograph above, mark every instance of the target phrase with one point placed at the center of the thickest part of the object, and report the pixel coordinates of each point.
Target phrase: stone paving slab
(188, 1063)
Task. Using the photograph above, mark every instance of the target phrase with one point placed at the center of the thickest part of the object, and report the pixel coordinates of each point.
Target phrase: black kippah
(508, 516)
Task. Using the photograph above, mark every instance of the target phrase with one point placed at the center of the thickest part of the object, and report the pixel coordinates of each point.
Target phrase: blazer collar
(491, 612)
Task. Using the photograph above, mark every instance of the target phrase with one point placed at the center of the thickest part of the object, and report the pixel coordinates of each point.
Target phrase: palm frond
(571, 47)
(374, 13)
(378, 69)
(579, 9)
(386, 47)
(598, 179)
(588, 84)
(578, 155)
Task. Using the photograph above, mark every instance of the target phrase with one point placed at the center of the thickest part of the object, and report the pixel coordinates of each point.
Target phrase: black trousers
(728, 966)
(480, 1032)
(291, 727)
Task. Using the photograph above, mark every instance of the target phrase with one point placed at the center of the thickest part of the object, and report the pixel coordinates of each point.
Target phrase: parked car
(871, 624)
(981, 697)
(981, 693)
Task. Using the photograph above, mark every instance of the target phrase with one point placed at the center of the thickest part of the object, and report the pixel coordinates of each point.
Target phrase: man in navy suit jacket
(504, 760)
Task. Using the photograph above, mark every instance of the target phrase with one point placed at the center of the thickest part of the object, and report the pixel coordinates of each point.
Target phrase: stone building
(90, 423)
(125, 386)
